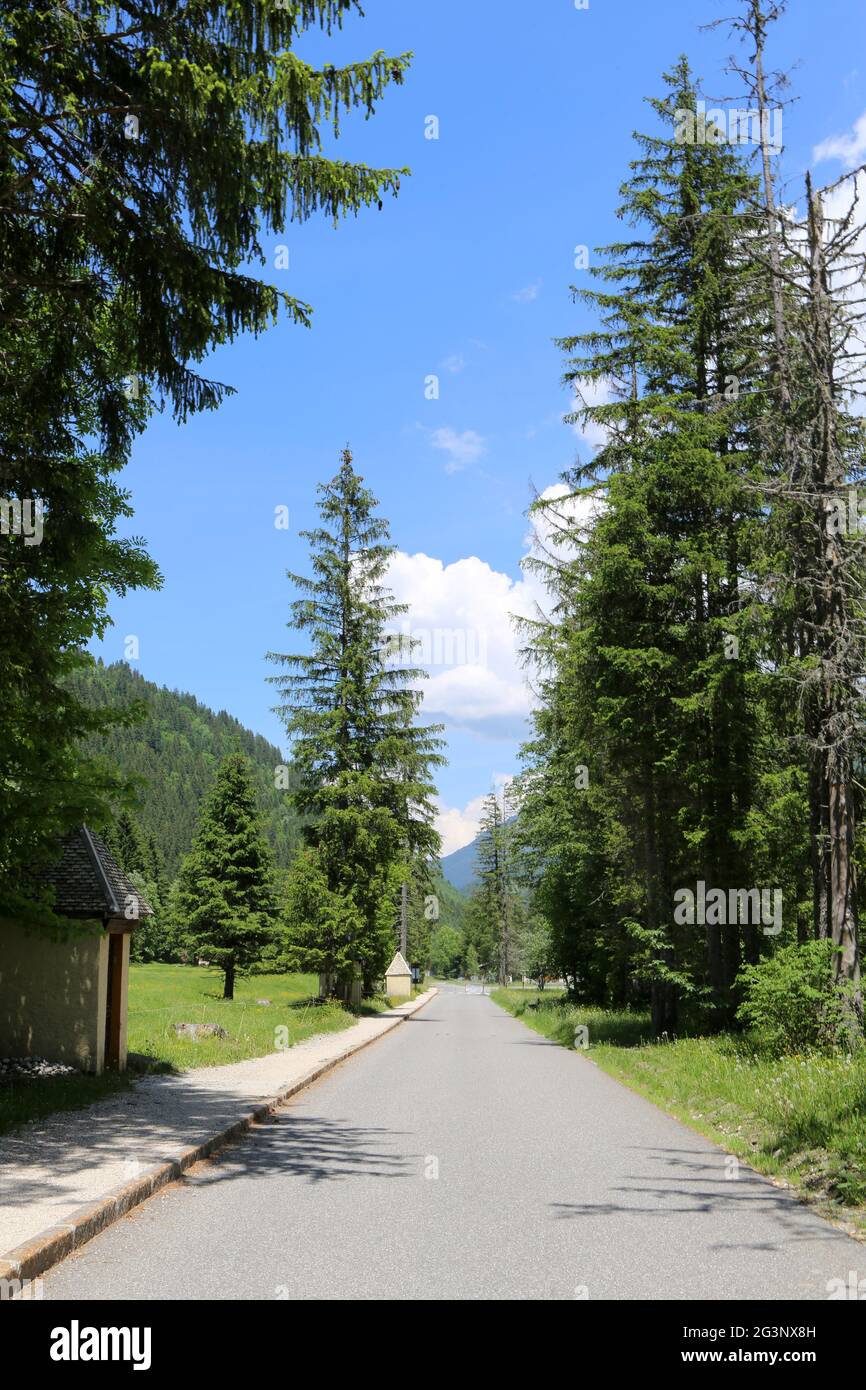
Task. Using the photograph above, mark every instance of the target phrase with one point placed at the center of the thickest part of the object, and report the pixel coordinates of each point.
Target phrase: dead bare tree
(813, 271)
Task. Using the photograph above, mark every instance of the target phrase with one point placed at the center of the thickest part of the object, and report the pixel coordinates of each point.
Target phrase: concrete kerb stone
(53, 1244)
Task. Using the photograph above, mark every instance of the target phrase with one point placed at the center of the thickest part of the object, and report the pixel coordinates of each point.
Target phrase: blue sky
(465, 276)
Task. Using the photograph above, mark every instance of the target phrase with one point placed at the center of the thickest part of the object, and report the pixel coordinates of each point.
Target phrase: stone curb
(53, 1244)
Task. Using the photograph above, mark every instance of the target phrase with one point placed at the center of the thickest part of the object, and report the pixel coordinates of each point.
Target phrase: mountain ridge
(174, 752)
(459, 866)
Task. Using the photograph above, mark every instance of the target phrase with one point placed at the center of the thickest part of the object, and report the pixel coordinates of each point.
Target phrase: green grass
(161, 995)
(799, 1118)
(549, 1013)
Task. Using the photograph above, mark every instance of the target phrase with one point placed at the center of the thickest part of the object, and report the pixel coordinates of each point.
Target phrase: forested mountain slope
(174, 751)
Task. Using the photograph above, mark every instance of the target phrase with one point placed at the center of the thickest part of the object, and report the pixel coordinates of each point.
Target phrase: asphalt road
(465, 1157)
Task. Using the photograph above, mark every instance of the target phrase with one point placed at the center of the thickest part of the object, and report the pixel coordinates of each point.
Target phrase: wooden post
(113, 1006)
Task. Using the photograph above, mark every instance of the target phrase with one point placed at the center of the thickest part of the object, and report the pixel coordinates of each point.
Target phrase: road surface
(465, 1157)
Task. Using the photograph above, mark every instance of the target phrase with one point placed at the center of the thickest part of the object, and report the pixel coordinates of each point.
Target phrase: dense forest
(688, 836)
(172, 753)
(690, 796)
(169, 754)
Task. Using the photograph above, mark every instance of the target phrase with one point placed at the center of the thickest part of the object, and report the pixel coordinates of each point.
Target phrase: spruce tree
(497, 904)
(490, 890)
(225, 897)
(570, 842)
(653, 590)
(322, 926)
(128, 845)
(363, 764)
(151, 157)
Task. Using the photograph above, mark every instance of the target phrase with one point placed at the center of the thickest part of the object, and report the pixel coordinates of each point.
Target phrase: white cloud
(460, 614)
(547, 538)
(455, 363)
(849, 149)
(474, 697)
(528, 294)
(459, 828)
(461, 618)
(590, 393)
(462, 449)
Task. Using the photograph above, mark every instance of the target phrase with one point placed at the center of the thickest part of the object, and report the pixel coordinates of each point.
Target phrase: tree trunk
(842, 895)
(819, 827)
(229, 983)
(838, 647)
(663, 994)
(665, 1010)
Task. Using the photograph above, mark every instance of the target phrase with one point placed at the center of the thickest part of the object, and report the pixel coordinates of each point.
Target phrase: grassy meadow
(161, 995)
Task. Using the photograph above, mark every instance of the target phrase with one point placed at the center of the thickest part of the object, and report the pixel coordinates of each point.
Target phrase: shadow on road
(660, 1194)
(312, 1148)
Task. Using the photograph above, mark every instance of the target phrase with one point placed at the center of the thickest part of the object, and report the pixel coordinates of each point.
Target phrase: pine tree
(127, 843)
(363, 764)
(498, 906)
(322, 926)
(569, 840)
(811, 436)
(652, 591)
(225, 898)
(157, 156)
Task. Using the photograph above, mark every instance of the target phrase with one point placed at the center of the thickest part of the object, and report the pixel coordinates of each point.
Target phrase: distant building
(398, 979)
(66, 1000)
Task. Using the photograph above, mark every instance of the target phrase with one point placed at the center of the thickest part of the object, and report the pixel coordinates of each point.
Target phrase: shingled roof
(88, 881)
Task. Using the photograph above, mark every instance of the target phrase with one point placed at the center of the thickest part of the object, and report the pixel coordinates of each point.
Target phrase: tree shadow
(692, 1182)
(310, 1147)
(70, 1158)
